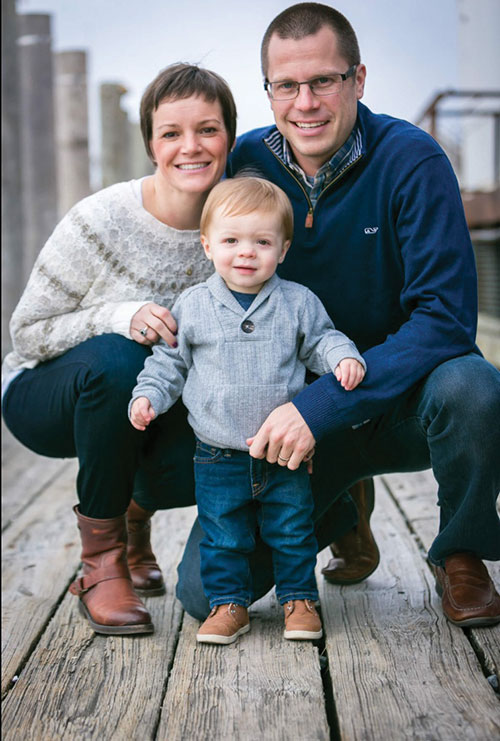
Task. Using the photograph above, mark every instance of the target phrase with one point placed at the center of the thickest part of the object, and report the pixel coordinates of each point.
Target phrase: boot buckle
(77, 587)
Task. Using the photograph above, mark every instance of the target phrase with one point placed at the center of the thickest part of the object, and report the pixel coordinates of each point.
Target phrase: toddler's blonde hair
(243, 195)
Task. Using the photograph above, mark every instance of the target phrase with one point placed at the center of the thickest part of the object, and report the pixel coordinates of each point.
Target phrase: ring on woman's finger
(144, 331)
(285, 460)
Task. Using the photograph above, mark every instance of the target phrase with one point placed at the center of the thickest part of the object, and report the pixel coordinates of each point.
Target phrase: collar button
(247, 326)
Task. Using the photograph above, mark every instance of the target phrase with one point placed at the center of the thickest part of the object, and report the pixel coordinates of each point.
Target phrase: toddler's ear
(284, 250)
(206, 246)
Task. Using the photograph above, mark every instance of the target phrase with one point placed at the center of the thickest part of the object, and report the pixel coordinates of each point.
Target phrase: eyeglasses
(324, 85)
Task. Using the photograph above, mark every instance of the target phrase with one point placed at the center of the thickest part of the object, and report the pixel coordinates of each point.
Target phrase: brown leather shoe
(145, 572)
(302, 622)
(468, 595)
(355, 554)
(107, 597)
(224, 624)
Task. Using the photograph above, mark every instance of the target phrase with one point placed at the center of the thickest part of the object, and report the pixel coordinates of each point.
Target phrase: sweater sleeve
(439, 299)
(322, 346)
(51, 316)
(165, 370)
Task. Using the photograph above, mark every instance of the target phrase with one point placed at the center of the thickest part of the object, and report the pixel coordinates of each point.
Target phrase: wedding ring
(285, 460)
(144, 331)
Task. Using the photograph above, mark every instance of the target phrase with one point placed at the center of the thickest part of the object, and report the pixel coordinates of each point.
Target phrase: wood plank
(24, 475)
(262, 686)
(78, 685)
(399, 669)
(416, 495)
(41, 553)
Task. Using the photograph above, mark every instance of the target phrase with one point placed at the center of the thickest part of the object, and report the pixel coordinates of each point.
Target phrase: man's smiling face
(314, 126)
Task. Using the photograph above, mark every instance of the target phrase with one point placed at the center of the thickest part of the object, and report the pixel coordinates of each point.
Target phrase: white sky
(409, 47)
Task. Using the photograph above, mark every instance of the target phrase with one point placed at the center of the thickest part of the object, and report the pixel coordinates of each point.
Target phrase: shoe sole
(115, 630)
(222, 640)
(303, 635)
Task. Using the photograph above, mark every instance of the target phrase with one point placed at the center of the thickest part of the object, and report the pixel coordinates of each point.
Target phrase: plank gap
(330, 706)
(155, 730)
(411, 529)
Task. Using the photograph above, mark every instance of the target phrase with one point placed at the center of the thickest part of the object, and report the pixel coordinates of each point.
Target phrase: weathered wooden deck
(391, 667)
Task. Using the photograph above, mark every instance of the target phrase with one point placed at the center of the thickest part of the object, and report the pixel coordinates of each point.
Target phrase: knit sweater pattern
(106, 258)
(234, 366)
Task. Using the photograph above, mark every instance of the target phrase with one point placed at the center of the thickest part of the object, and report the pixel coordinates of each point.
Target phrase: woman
(95, 303)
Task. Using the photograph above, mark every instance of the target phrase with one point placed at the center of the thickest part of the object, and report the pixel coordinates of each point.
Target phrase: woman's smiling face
(189, 143)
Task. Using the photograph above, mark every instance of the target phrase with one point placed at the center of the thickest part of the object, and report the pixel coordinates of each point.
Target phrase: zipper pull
(309, 219)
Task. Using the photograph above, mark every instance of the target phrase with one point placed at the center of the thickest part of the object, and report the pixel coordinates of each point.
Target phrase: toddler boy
(245, 340)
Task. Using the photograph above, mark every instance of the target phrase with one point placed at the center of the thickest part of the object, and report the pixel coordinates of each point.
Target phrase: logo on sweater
(371, 229)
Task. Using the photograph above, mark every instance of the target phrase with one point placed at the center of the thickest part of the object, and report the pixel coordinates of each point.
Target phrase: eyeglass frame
(344, 76)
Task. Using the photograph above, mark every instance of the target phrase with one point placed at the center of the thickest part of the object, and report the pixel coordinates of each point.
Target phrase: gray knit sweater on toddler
(233, 367)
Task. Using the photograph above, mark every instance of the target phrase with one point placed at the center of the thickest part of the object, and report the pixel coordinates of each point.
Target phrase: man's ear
(206, 246)
(284, 250)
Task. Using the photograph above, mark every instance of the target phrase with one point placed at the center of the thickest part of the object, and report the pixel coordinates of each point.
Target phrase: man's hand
(151, 322)
(141, 413)
(284, 438)
(349, 373)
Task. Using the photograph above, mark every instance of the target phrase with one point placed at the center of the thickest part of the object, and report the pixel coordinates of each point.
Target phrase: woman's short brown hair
(179, 81)
(243, 195)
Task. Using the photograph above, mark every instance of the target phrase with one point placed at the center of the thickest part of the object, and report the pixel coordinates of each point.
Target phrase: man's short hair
(306, 19)
(243, 195)
(179, 81)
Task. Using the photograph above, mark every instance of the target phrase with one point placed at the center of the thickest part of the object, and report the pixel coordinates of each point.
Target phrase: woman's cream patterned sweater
(106, 259)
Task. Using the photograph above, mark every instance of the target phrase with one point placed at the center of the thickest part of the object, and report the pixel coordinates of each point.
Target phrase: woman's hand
(151, 322)
(141, 413)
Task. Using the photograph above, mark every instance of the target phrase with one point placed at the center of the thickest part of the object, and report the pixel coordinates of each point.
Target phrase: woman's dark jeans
(76, 405)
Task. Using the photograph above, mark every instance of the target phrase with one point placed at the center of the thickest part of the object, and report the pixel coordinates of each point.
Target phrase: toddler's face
(245, 250)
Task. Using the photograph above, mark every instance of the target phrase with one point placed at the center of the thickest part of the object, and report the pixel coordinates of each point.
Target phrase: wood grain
(399, 669)
(416, 495)
(261, 686)
(79, 685)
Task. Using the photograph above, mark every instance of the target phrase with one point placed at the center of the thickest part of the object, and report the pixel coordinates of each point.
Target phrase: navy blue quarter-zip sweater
(388, 252)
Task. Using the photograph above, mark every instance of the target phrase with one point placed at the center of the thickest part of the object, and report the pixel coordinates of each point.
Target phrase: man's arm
(439, 298)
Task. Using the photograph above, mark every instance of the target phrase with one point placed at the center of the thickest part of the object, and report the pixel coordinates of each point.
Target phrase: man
(381, 238)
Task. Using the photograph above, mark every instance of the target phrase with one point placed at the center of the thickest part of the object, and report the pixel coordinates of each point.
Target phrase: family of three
(379, 245)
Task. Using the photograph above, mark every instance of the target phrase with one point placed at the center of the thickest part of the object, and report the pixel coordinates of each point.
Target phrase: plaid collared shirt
(348, 152)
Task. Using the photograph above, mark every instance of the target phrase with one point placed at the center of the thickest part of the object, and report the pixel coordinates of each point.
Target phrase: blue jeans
(76, 406)
(237, 494)
(449, 422)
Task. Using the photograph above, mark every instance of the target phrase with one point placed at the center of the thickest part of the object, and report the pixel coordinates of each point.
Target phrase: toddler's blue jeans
(237, 494)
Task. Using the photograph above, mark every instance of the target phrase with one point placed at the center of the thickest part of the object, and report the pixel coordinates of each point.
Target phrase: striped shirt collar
(343, 157)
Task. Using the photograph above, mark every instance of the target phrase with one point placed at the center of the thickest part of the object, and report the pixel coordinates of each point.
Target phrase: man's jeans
(236, 494)
(450, 422)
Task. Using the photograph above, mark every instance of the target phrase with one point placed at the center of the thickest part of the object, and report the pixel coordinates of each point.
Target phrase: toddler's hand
(141, 413)
(349, 373)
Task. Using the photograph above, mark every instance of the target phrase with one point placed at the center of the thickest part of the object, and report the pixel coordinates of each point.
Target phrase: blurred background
(73, 72)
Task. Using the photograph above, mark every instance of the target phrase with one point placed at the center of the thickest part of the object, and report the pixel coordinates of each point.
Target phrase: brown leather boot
(468, 595)
(145, 572)
(356, 554)
(107, 597)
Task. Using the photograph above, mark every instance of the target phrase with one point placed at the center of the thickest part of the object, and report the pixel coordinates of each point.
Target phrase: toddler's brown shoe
(302, 622)
(224, 624)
